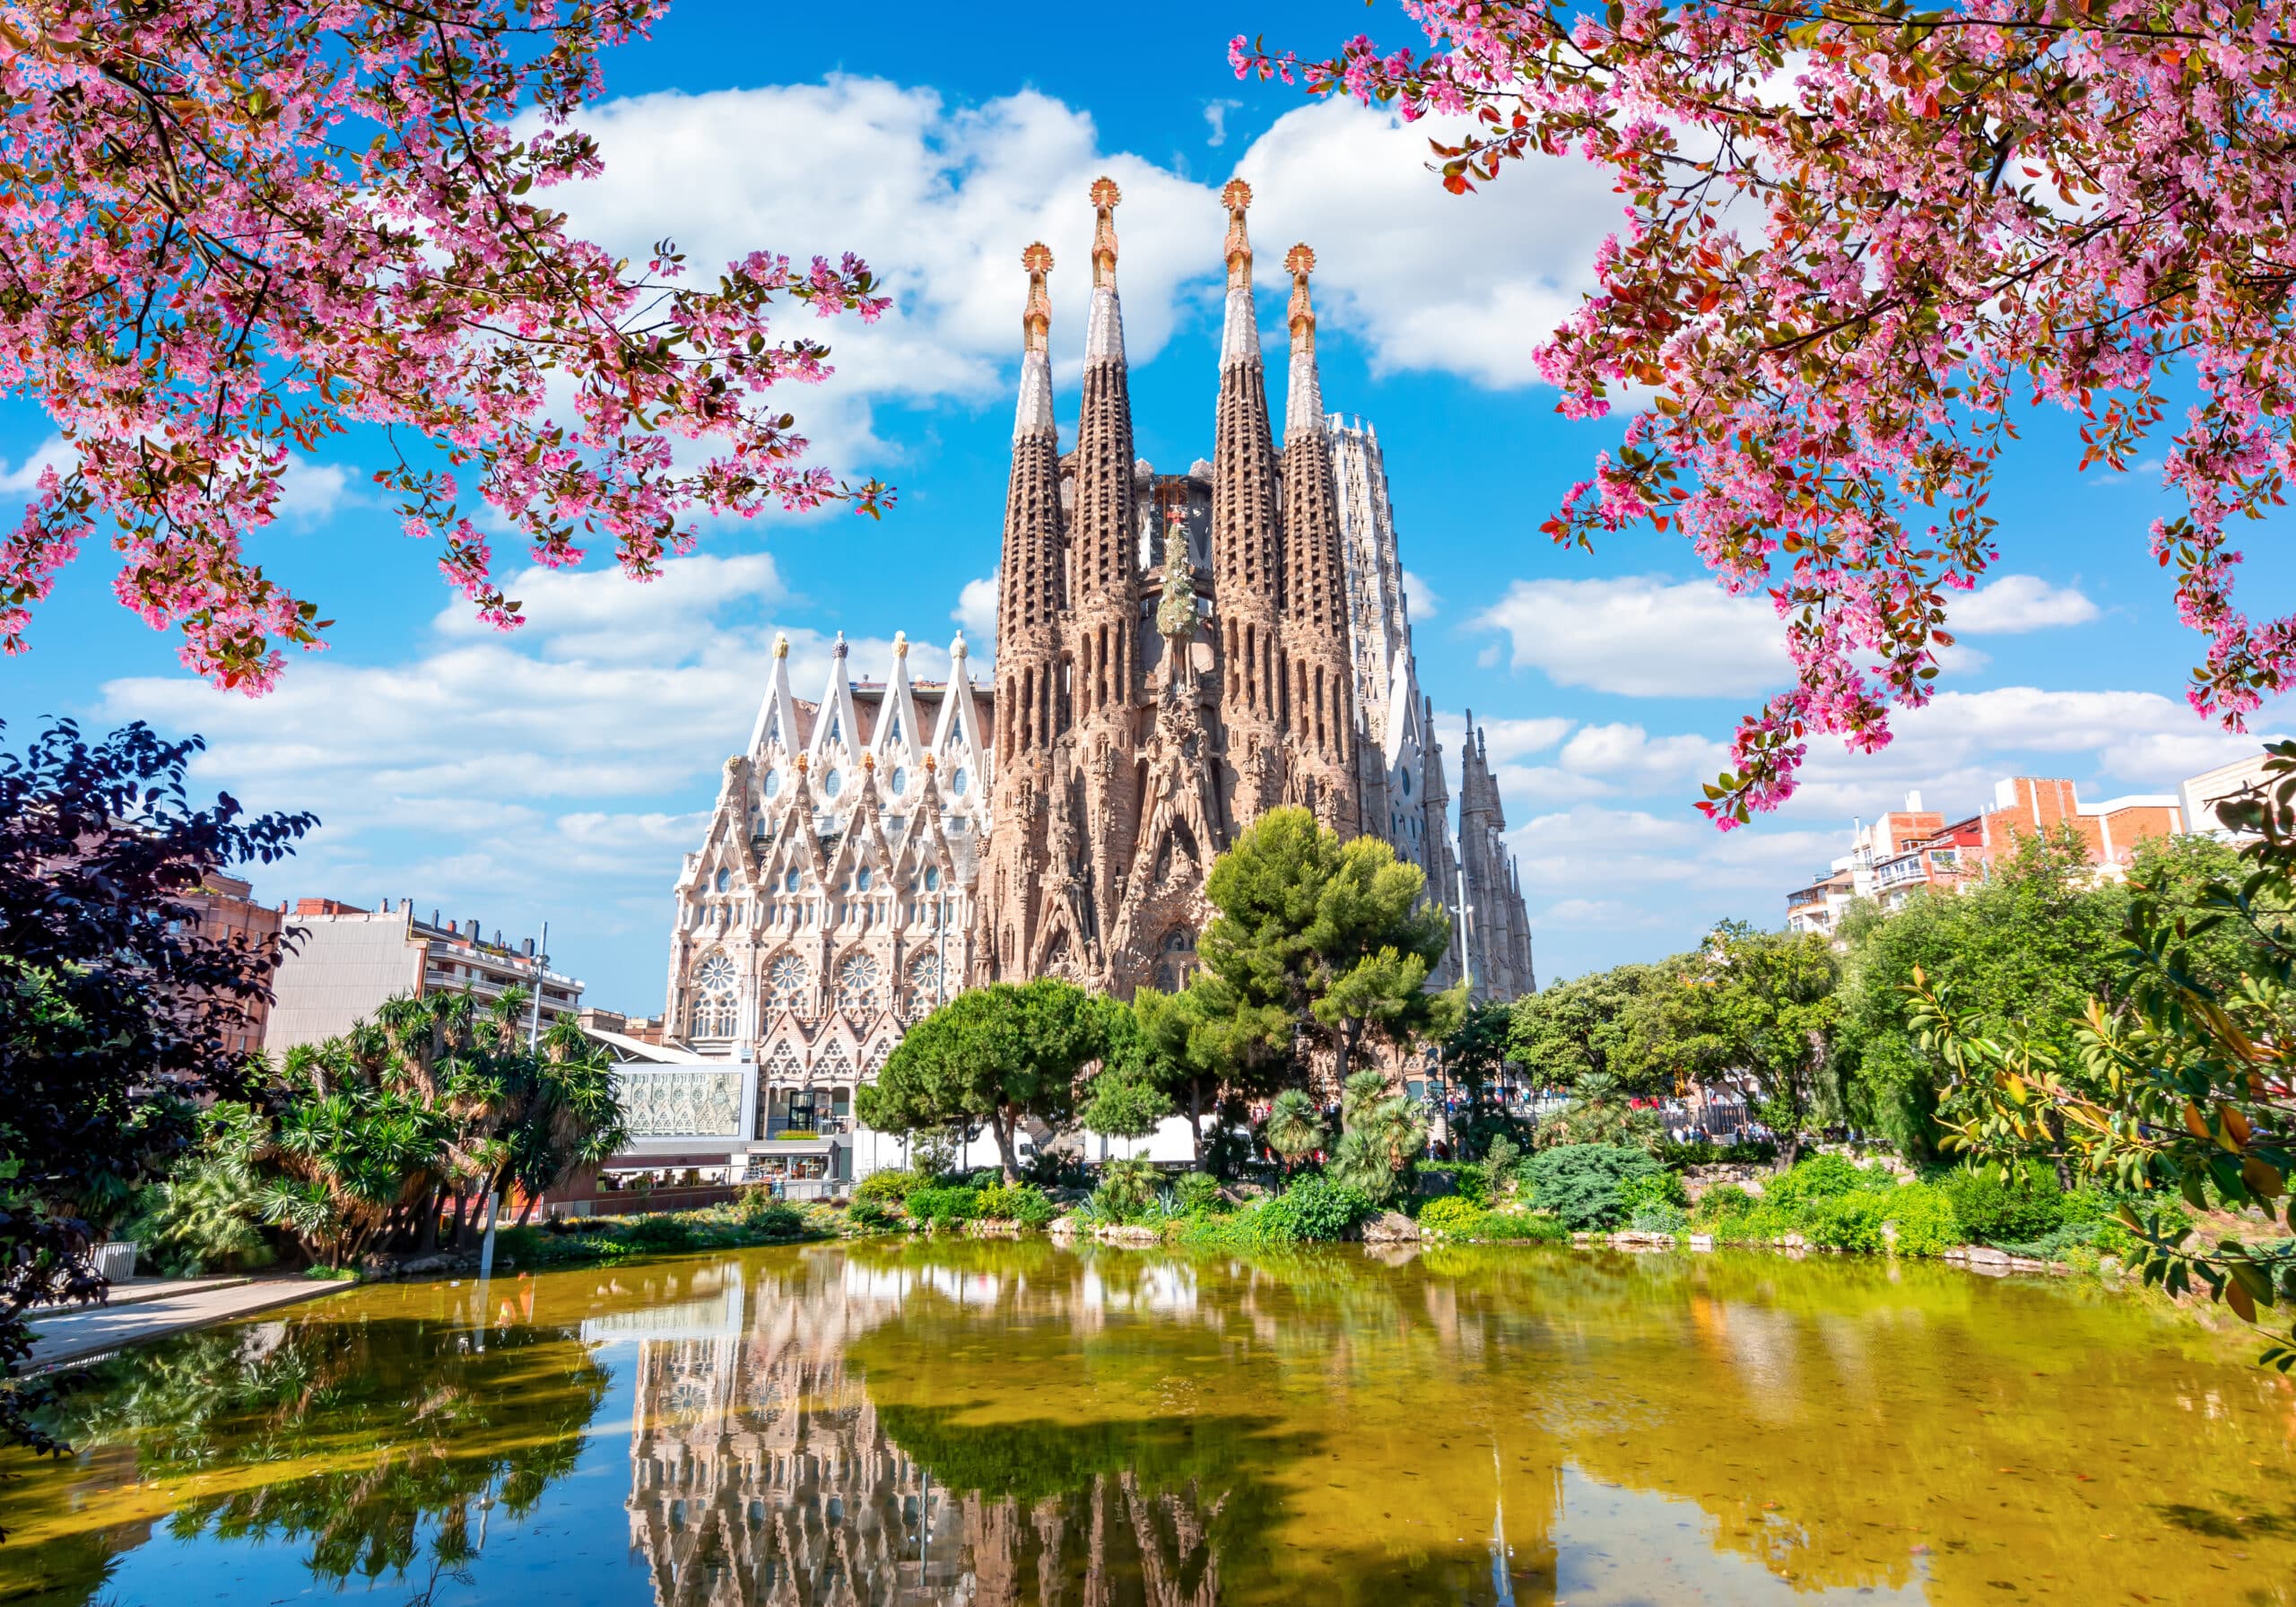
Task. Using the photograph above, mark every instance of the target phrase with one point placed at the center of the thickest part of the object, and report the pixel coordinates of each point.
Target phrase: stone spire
(1319, 687)
(1103, 524)
(1303, 405)
(1030, 592)
(1246, 556)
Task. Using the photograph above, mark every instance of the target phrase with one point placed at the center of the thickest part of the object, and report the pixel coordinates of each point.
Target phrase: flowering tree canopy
(1859, 237)
(231, 228)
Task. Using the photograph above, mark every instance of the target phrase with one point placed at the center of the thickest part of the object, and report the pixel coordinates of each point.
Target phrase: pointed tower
(1246, 556)
(1442, 869)
(1319, 681)
(1483, 864)
(1104, 638)
(1029, 700)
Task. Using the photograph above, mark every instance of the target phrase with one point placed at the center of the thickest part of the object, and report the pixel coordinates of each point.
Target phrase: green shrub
(1021, 1202)
(1658, 1216)
(943, 1207)
(1126, 1187)
(1500, 1161)
(1848, 1220)
(1819, 1177)
(2019, 1208)
(1654, 1188)
(1723, 1200)
(1450, 1213)
(762, 1214)
(1925, 1223)
(891, 1186)
(1582, 1183)
(1535, 1227)
(658, 1235)
(871, 1215)
(1312, 1210)
(1197, 1192)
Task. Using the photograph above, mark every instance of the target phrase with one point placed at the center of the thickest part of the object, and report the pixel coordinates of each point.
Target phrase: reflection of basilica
(761, 1474)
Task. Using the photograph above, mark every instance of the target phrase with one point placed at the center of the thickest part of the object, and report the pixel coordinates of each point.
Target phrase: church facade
(1176, 655)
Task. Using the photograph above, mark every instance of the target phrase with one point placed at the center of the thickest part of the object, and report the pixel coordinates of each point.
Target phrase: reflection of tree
(376, 1440)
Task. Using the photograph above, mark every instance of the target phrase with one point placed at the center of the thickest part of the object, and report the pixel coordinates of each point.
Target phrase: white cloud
(1471, 284)
(1632, 757)
(1604, 851)
(1642, 636)
(1420, 599)
(310, 491)
(1215, 117)
(976, 612)
(1503, 740)
(2011, 603)
(23, 479)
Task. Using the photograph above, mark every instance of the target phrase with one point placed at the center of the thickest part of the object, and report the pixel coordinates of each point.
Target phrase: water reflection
(908, 1423)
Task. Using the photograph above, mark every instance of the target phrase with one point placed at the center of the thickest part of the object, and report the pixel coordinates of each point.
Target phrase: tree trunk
(432, 1199)
(462, 1210)
(996, 1125)
(526, 1210)
(2055, 1123)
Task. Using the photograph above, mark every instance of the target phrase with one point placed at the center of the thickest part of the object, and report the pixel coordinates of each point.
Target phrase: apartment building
(226, 909)
(346, 960)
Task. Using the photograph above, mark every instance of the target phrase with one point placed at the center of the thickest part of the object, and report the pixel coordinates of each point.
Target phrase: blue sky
(560, 773)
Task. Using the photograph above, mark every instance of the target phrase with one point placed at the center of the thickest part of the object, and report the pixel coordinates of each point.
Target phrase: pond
(922, 1422)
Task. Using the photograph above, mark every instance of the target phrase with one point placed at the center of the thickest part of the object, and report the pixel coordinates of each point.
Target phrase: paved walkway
(193, 1303)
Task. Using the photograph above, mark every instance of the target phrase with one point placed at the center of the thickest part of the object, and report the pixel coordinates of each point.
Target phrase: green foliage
(1470, 1180)
(1993, 1210)
(1925, 1219)
(1126, 1189)
(944, 1207)
(1500, 1162)
(889, 1184)
(759, 1212)
(1312, 1210)
(1595, 1025)
(1450, 1214)
(1382, 1134)
(1197, 1192)
(1293, 1129)
(1528, 1226)
(659, 1235)
(997, 1055)
(1658, 1216)
(1659, 1188)
(1818, 1178)
(1582, 1184)
(1706, 1152)
(1850, 1220)
(1601, 1112)
(1019, 1202)
(203, 1217)
(1125, 1105)
(872, 1215)
(1318, 946)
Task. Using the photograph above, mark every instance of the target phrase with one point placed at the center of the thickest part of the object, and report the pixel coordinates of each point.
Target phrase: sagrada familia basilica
(1176, 655)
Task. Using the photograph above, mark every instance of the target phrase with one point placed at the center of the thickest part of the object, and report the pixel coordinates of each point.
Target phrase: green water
(993, 1422)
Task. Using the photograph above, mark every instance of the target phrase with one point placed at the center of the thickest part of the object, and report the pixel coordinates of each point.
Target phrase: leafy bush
(890, 1186)
(1723, 1200)
(1654, 1188)
(1535, 1227)
(1582, 1183)
(762, 1214)
(1658, 1216)
(1197, 1192)
(1021, 1202)
(1127, 1187)
(1312, 1210)
(2019, 1208)
(1819, 1177)
(1850, 1220)
(943, 1207)
(871, 1215)
(658, 1235)
(1925, 1219)
(1499, 1162)
(1450, 1213)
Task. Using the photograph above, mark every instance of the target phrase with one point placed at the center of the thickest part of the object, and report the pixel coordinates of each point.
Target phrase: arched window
(1175, 959)
(924, 984)
(859, 986)
(833, 783)
(861, 879)
(712, 1012)
(725, 880)
(789, 883)
(773, 783)
(932, 878)
(900, 781)
(785, 984)
(958, 782)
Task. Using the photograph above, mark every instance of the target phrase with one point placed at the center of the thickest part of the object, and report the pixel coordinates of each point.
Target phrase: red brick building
(227, 910)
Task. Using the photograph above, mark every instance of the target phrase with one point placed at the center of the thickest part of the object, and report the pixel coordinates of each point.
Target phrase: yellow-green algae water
(996, 1422)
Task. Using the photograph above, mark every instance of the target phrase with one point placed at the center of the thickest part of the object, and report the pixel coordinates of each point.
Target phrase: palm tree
(1293, 1129)
(1383, 1133)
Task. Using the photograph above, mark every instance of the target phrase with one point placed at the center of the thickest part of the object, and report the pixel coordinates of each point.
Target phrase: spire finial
(839, 648)
(1105, 197)
(1237, 197)
(1300, 262)
(957, 648)
(1036, 316)
(781, 645)
(900, 644)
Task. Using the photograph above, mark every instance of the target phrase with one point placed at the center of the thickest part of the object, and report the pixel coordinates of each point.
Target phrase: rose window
(859, 986)
(713, 1004)
(785, 984)
(923, 985)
